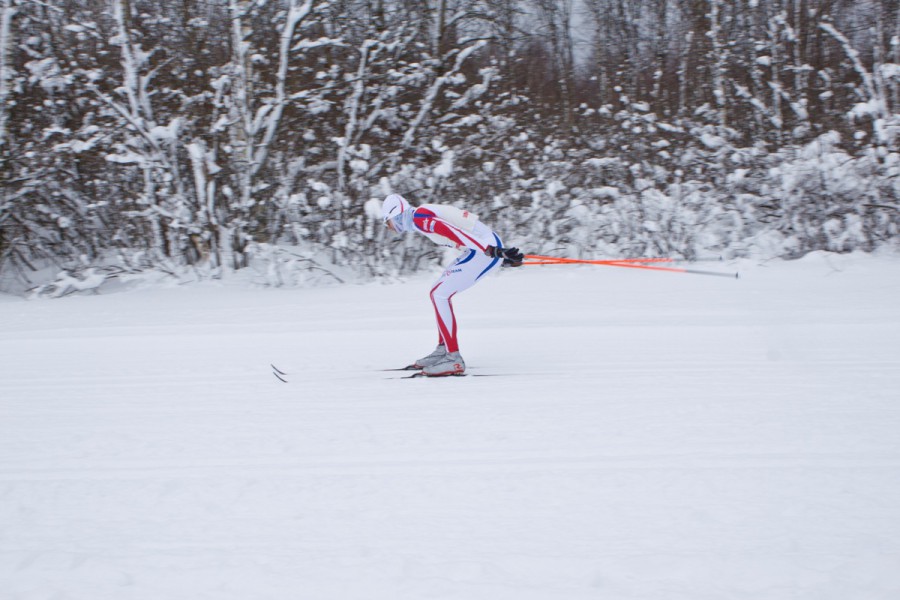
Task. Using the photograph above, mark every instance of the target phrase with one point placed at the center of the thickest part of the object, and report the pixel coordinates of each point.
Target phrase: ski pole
(629, 263)
(552, 260)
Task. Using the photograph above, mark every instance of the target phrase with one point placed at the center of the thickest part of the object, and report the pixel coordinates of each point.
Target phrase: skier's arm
(429, 223)
(458, 236)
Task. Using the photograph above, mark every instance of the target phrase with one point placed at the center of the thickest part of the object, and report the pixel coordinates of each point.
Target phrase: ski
(422, 375)
(410, 368)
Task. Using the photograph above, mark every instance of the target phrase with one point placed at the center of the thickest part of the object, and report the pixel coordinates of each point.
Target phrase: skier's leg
(441, 295)
(462, 275)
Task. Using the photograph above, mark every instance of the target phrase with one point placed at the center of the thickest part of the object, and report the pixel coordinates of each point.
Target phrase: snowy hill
(643, 436)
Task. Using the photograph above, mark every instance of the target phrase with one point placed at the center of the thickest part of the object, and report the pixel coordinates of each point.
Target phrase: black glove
(511, 256)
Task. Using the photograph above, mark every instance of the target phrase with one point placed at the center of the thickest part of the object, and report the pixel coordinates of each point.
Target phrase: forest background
(202, 137)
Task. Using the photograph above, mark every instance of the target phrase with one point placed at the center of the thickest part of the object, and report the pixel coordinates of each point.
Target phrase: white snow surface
(646, 436)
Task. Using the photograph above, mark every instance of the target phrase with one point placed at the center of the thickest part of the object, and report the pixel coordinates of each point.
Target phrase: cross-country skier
(450, 226)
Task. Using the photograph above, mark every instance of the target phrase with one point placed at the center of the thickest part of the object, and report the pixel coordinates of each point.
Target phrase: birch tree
(7, 13)
(718, 59)
(149, 145)
(872, 89)
(556, 20)
(353, 107)
(254, 117)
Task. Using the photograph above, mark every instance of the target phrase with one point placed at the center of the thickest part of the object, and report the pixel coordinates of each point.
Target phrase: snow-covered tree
(204, 136)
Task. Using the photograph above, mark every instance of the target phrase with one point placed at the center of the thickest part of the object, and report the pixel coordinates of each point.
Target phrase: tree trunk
(7, 12)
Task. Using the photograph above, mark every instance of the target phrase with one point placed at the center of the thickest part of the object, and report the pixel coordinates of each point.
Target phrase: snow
(712, 141)
(445, 168)
(646, 436)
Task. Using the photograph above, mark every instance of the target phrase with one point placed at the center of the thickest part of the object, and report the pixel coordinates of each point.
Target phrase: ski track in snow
(649, 436)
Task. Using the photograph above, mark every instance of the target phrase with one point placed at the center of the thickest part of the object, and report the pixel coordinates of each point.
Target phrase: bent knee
(437, 296)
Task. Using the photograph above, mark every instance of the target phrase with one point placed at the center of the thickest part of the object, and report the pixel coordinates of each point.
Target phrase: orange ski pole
(629, 263)
(558, 259)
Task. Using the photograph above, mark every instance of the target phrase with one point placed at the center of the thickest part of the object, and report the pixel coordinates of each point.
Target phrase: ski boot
(432, 359)
(450, 364)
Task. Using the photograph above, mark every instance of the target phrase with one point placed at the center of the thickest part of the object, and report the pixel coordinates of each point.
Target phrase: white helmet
(392, 211)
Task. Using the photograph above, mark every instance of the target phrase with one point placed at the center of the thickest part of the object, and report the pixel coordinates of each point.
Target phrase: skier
(450, 226)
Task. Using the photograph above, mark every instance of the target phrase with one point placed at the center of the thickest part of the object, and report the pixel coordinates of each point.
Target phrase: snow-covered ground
(647, 436)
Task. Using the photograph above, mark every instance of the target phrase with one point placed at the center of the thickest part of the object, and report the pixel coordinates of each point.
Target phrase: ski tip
(278, 373)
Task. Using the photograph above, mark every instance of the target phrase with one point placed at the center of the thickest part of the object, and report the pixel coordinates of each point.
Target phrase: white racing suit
(450, 226)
